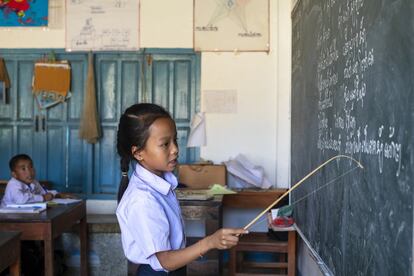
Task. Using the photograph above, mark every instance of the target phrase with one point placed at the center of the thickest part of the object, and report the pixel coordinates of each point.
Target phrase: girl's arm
(221, 239)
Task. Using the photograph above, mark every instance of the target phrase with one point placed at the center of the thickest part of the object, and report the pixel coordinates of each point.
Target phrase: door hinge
(149, 60)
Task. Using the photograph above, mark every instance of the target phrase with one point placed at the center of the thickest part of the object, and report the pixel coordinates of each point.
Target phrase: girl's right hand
(225, 238)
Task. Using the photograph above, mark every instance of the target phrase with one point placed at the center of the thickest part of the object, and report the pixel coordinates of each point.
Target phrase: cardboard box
(197, 176)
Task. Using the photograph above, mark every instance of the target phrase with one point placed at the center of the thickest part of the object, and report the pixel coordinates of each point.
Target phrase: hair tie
(124, 174)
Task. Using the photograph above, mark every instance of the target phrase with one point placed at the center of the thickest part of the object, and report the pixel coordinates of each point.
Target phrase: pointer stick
(295, 186)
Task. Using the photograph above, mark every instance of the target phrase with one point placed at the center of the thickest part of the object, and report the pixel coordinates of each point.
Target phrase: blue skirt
(146, 270)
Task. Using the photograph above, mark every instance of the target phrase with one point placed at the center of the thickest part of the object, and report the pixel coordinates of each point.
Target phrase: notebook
(27, 210)
(28, 205)
(64, 200)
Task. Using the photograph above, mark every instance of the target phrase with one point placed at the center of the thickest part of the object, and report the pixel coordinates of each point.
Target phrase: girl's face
(161, 151)
(24, 171)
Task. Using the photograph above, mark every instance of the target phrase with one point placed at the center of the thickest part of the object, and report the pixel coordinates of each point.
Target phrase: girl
(148, 212)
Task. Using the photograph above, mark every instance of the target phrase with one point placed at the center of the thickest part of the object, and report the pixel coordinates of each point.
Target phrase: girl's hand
(225, 238)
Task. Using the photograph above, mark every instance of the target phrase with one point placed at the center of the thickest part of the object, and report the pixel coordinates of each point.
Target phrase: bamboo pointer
(296, 185)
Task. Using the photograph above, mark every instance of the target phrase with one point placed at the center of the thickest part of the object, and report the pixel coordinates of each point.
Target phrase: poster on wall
(102, 25)
(231, 25)
(23, 13)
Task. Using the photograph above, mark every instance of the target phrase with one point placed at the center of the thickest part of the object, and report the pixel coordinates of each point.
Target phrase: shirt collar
(161, 185)
(21, 182)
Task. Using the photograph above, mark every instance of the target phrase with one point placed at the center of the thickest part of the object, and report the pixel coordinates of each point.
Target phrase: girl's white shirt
(149, 216)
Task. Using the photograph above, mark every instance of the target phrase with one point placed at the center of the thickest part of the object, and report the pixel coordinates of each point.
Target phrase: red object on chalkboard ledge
(283, 222)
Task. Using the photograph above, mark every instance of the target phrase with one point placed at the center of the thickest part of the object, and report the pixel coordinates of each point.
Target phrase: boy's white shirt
(18, 192)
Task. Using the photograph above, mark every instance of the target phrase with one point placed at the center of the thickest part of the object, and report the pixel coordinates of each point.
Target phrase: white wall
(261, 127)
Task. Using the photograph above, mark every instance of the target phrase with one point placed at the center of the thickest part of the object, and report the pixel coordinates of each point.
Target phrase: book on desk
(192, 194)
(202, 194)
(30, 208)
(64, 201)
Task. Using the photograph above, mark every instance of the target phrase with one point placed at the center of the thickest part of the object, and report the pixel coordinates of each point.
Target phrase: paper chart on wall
(219, 101)
(231, 25)
(102, 25)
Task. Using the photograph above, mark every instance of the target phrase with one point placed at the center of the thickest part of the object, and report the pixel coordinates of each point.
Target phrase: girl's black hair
(133, 130)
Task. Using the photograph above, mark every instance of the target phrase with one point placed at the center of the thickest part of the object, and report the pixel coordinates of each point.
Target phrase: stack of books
(24, 208)
(193, 194)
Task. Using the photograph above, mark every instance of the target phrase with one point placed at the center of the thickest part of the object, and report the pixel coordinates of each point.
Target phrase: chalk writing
(340, 92)
(352, 95)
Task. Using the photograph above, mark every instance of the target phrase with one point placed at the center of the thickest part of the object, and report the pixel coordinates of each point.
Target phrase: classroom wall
(261, 127)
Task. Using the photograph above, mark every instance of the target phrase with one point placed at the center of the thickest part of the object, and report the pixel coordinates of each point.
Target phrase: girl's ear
(136, 153)
(13, 174)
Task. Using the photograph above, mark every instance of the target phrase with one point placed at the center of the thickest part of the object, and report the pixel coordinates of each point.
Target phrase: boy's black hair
(13, 161)
(133, 130)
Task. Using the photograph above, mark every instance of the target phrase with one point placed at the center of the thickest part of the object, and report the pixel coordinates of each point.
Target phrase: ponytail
(125, 159)
(123, 185)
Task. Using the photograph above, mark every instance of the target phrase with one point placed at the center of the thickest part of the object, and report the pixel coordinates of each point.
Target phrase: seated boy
(22, 187)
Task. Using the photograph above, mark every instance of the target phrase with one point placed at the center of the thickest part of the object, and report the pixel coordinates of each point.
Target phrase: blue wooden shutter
(170, 78)
(49, 136)
(119, 79)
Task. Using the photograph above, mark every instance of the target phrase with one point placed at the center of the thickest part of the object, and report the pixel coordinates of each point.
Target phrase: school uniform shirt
(18, 192)
(149, 216)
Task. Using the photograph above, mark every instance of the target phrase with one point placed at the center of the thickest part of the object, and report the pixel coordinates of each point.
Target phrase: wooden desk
(252, 198)
(10, 252)
(209, 211)
(47, 226)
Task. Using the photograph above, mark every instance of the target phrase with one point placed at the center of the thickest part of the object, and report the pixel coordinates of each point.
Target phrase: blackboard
(352, 94)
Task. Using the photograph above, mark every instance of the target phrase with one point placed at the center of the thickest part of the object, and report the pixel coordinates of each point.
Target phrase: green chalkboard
(353, 94)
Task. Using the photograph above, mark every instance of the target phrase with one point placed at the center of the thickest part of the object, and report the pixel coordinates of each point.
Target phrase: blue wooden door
(119, 82)
(161, 77)
(63, 145)
(20, 127)
(173, 82)
(50, 137)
